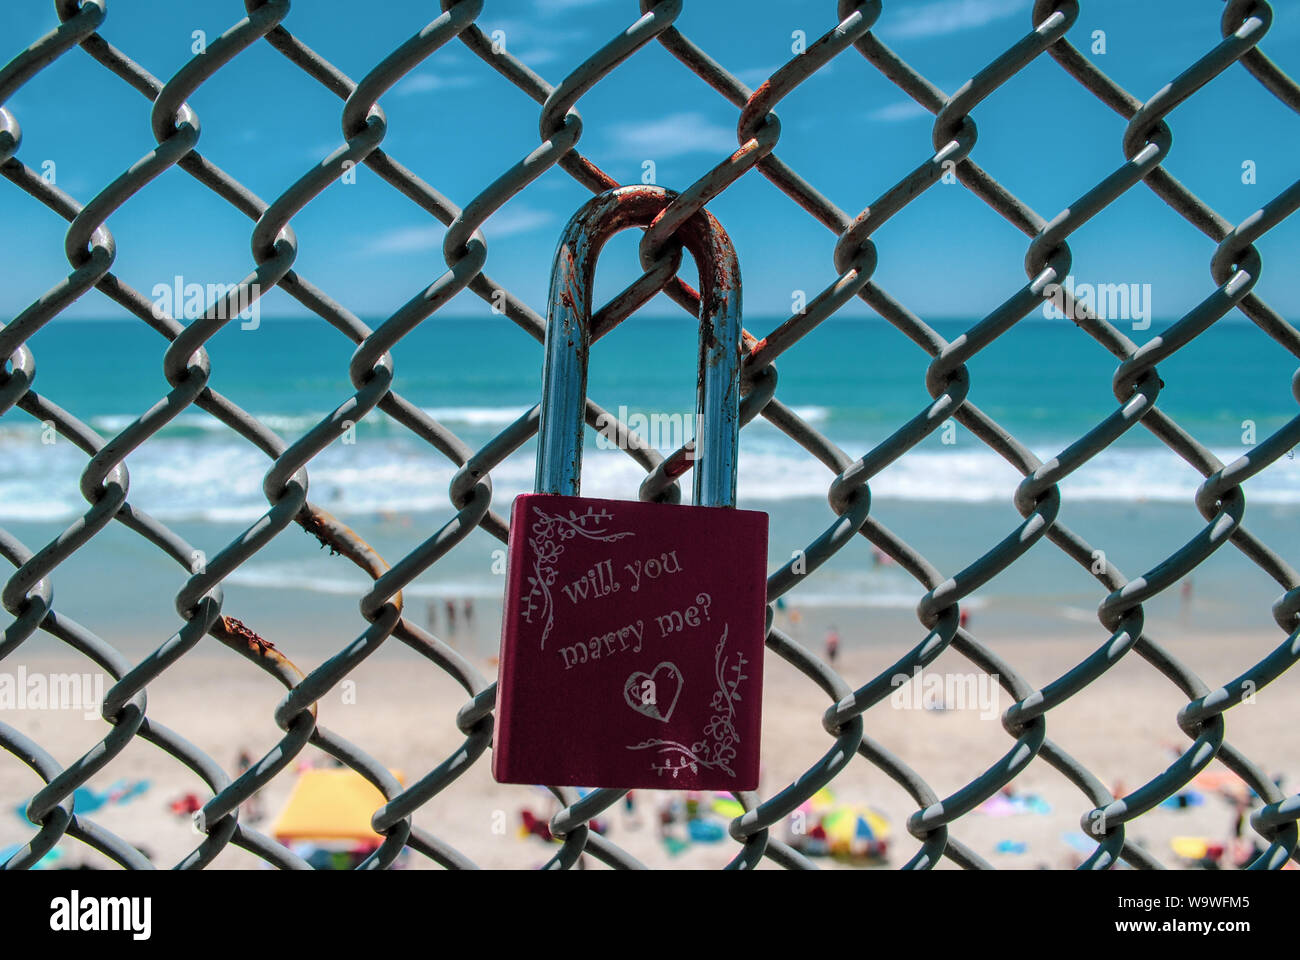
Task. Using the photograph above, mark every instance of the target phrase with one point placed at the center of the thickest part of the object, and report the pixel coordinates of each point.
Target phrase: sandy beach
(1122, 728)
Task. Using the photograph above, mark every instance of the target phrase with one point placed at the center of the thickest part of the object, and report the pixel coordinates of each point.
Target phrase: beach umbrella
(871, 832)
(725, 806)
(841, 827)
(871, 825)
(854, 830)
(822, 801)
(1190, 848)
(330, 805)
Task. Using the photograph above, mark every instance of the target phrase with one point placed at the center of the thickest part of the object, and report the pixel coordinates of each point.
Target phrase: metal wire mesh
(90, 250)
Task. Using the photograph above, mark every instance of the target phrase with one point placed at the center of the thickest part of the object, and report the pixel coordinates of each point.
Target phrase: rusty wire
(28, 593)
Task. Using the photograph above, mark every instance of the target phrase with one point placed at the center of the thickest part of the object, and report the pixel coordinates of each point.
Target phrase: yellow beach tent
(331, 804)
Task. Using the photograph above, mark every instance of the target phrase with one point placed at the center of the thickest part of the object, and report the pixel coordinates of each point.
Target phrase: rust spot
(606, 181)
(316, 527)
(238, 630)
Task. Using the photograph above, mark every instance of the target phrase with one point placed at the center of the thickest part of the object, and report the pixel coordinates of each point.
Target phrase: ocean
(855, 380)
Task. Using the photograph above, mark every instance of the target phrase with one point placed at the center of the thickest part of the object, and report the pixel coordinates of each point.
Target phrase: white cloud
(323, 149)
(673, 136)
(425, 82)
(407, 240)
(897, 112)
(756, 76)
(504, 223)
(512, 220)
(529, 34)
(950, 16)
(538, 56)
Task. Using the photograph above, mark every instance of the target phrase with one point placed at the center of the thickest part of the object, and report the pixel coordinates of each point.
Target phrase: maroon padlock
(632, 640)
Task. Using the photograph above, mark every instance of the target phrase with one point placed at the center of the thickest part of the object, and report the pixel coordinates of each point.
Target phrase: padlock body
(632, 645)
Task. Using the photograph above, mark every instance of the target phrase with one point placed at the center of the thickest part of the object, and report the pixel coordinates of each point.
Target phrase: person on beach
(1245, 850)
(253, 805)
(832, 646)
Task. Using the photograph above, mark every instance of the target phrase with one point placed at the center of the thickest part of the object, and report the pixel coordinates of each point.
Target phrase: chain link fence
(85, 29)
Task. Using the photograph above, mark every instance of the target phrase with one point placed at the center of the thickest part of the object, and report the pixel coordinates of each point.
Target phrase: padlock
(632, 635)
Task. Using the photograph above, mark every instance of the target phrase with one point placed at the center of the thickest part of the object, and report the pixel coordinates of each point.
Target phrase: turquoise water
(853, 380)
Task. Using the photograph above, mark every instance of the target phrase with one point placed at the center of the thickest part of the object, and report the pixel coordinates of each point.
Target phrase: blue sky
(458, 124)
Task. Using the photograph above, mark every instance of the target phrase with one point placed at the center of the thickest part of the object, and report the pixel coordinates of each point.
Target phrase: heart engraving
(654, 694)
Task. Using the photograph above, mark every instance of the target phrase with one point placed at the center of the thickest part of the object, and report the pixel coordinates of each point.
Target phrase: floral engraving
(549, 533)
(716, 749)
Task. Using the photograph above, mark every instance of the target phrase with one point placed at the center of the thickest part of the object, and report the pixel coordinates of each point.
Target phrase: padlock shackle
(568, 340)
